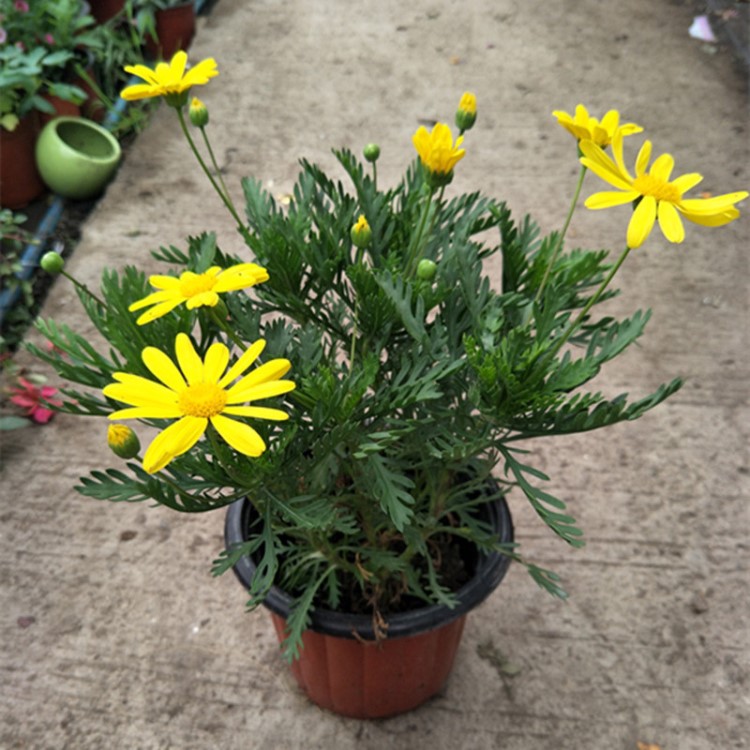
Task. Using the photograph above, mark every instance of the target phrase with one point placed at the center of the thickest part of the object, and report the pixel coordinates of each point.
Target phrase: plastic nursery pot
(341, 666)
(103, 10)
(76, 157)
(63, 108)
(175, 29)
(20, 182)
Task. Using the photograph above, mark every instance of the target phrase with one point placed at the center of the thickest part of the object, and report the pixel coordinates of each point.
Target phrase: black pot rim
(491, 569)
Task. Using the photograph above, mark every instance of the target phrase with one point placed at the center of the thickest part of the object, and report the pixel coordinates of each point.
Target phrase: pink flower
(29, 397)
(49, 39)
(21, 6)
(3, 35)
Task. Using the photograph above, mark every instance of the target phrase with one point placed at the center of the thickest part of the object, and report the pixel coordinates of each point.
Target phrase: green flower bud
(52, 262)
(198, 113)
(361, 233)
(466, 115)
(371, 152)
(426, 269)
(123, 441)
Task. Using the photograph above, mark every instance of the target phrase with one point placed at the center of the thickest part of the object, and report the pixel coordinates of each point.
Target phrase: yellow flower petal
(257, 412)
(147, 412)
(188, 359)
(687, 181)
(641, 162)
(157, 311)
(269, 371)
(609, 198)
(175, 440)
(670, 222)
(239, 435)
(253, 352)
(711, 220)
(261, 391)
(641, 222)
(662, 167)
(162, 368)
(717, 204)
(217, 358)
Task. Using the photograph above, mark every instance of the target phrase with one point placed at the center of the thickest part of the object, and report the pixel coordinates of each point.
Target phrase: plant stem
(213, 161)
(592, 301)
(563, 231)
(416, 249)
(228, 330)
(224, 196)
(82, 287)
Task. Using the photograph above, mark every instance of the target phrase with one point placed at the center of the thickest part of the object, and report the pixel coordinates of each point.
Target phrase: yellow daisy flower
(584, 127)
(169, 79)
(437, 152)
(198, 392)
(656, 194)
(196, 289)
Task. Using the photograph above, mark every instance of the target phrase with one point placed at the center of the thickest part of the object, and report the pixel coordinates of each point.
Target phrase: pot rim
(491, 569)
(85, 123)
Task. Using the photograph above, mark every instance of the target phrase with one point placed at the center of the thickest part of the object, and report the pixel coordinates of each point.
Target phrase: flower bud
(198, 113)
(426, 269)
(371, 152)
(466, 114)
(361, 233)
(52, 262)
(123, 441)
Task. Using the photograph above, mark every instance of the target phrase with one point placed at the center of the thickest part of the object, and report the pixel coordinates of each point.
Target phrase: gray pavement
(114, 634)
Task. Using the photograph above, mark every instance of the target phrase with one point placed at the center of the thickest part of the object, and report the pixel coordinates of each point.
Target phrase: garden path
(114, 634)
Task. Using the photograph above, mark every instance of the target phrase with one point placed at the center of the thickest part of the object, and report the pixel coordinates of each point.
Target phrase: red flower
(31, 398)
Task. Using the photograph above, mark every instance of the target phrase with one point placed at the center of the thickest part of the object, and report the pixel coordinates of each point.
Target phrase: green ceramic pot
(76, 157)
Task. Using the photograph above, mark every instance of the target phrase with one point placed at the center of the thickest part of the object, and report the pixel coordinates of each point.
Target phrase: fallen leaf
(647, 746)
(25, 622)
(454, 60)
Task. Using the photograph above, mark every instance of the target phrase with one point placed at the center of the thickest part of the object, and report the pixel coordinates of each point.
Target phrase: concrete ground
(114, 634)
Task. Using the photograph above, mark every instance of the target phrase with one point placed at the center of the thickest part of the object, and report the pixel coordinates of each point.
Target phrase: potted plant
(356, 388)
(167, 25)
(20, 102)
(63, 30)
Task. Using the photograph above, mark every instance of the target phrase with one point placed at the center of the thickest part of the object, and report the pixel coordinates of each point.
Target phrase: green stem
(561, 237)
(375, 176)
(226, 200)
(227, 329)
(213, 161)
(592, 301)
(421, 237)
(82, 287)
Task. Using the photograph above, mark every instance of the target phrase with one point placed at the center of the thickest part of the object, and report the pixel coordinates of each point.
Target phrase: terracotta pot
(63, 108)
(103, 10)
(76, 157)
(20, 182)
(344, 669)
(175, 29)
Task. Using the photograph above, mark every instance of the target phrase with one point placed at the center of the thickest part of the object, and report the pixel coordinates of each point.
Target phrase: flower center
(192, 284)
(202, 400)
(647, 184)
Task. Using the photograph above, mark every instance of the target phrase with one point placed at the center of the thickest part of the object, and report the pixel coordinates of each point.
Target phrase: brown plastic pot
(20, 182)
(63, 108)
(175, 29)
(103, 10)
(343, 668)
